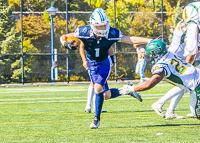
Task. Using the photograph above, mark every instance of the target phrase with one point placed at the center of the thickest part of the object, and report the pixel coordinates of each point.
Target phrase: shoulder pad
(158, 69)
(115, 34)
(83, 31)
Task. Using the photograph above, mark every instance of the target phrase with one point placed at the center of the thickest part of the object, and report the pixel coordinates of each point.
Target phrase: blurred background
(27, 21)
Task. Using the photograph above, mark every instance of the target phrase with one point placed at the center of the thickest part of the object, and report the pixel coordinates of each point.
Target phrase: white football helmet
(99, 18)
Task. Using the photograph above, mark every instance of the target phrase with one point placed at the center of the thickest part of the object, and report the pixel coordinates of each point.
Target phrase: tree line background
(133, 18)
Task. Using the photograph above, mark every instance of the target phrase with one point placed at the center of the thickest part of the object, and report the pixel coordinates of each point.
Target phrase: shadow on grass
(169, 125)
(126, 110)
(156, 126)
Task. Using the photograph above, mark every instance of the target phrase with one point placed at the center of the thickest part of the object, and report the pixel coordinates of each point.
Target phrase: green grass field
(56, 114)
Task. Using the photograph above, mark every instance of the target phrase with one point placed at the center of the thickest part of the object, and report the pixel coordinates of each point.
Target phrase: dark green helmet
(156, 49)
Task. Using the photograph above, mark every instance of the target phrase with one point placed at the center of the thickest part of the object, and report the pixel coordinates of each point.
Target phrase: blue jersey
(97, 49)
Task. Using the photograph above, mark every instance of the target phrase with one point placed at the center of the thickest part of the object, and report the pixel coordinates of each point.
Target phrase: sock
(99, 104)
(90, 95)
(114, 93)
(193, 102)
(170, 94)
(175, 101)
(94, 97)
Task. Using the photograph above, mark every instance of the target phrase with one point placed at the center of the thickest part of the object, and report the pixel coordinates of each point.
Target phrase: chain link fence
(37, 66)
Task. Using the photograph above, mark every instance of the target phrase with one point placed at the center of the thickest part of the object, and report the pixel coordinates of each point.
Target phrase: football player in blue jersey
(97, 39)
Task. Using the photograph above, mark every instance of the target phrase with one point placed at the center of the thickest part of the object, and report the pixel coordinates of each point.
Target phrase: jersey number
(180, 69)
(97, 50)
(186, 16)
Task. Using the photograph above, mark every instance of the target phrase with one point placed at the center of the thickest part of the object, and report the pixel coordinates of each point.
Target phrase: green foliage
(46, 17)
(41, 5)
(29, 62)
(135, 5)
(9, 42)
(34, 27)
(176, 17)
(30, 5)
(123, 19)
(6, 21)
(37, 28)
(145, 24)
(76, 78)
(97, 3)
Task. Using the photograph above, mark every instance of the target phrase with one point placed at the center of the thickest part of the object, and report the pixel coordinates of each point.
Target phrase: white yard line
(68, 98)
(65, 100)
(49, 90)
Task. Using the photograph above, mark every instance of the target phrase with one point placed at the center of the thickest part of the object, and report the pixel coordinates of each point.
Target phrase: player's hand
(69, 45)
(124, 90)
(85, 65)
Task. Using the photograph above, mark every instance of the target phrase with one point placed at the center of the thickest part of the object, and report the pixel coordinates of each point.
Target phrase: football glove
(126, 89)
(69, 45)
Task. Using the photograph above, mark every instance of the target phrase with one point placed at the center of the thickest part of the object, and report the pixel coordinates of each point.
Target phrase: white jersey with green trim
(179, 51)
(179, 39)
(191, 13)
(176, 72)
(178, 36)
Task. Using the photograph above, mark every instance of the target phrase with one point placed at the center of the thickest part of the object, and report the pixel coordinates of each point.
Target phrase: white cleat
(157, 107)
(191, 115)
(88, 109)
(171, 115)
(95, 124)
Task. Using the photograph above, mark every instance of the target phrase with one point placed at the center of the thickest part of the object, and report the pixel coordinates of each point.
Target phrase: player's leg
(157, 106)
(113, 93)
(89, 97)
(99, 74)
(197, 102)
(110, 93)
(170, 111)
(105, 88)
(98, 105)
(143, 65)
(192, 105)
(137, 69)
(94, 97)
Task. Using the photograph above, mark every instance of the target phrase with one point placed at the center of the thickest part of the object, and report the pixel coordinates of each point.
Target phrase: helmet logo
(85, 30)
(113, 32)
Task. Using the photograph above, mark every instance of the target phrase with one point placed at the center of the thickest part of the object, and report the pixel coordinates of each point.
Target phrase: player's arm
(146, 85)
(190, 58)
(82, 53)
(134, 39)
(111, 51)
(191, 46)
(68, 45)
(112, 55)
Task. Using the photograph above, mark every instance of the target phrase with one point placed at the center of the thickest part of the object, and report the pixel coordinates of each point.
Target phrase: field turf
(56, 114)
